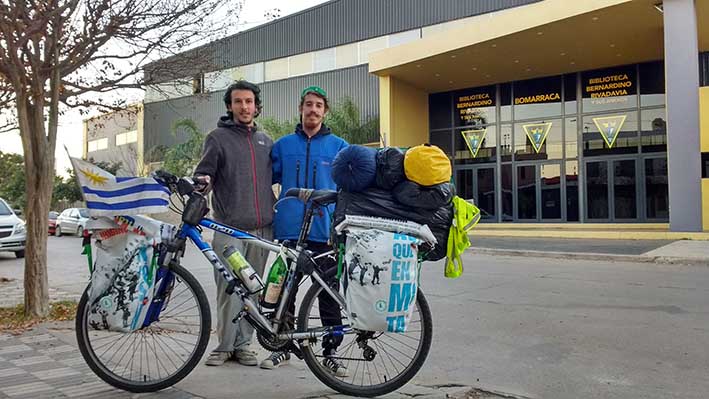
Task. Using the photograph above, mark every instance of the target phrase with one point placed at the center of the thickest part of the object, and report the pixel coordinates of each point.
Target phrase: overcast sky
(70, 127)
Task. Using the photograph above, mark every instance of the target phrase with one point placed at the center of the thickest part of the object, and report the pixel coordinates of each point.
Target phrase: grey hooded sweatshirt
(237, 158)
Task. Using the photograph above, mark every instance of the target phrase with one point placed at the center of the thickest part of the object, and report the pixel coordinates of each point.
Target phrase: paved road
(541, 328)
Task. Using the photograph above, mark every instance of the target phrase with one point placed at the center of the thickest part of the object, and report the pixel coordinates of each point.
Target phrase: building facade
(550, 110)
(116, 137)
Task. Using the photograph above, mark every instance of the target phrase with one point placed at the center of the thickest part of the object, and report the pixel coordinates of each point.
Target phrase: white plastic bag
(380, 279)
(123, 279)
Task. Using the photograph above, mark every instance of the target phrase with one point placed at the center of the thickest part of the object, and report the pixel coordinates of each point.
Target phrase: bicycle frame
(250, 307)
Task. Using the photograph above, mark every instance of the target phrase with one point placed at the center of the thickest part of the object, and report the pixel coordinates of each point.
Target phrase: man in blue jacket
(303, 159)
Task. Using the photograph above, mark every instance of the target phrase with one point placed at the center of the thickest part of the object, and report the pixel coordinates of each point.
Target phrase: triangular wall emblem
(474, 140)
(537, 134)
(609, 127)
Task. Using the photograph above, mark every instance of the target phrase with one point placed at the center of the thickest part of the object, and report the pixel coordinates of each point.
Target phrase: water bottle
(274, 282)
(243, 270)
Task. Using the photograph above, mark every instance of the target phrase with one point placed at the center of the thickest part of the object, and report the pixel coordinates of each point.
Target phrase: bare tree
(55, 53)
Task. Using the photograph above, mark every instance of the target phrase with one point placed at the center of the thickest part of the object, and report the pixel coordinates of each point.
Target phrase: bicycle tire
(390, 385)
(112, 377)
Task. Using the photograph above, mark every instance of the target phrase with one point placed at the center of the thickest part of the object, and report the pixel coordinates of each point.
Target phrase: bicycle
(165, 351)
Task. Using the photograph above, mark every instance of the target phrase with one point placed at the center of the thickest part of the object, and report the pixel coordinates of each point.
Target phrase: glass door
(625, 196)
(478, 184)
(527, 184)
(656, 189)
(612, 190)
(550, 191)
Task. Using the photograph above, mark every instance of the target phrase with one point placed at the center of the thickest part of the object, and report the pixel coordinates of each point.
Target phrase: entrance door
(612, 190)
(539, 192)
(550, 191)
(478, 184)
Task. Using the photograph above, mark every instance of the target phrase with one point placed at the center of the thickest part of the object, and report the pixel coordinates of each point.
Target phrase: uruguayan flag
(108, 195)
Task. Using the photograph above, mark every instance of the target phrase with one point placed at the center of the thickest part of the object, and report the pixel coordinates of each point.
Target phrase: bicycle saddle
(319, 197)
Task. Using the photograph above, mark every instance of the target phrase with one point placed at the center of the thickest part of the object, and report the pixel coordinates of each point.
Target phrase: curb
(663, 260)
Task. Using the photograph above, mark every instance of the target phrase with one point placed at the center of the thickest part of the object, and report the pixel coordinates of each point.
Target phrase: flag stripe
(126, 205)
(128, 197)
(125, 191)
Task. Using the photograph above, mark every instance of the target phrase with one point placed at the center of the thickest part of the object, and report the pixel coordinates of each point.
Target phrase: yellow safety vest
(465, 217)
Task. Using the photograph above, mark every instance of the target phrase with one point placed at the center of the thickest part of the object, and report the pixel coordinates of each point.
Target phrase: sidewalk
(45, 363)
(685, 252)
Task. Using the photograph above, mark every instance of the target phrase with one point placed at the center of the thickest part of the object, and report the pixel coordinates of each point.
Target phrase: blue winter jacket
(299, 161)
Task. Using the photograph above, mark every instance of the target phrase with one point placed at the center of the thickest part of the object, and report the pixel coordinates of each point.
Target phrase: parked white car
(12, 231)
(72, 221)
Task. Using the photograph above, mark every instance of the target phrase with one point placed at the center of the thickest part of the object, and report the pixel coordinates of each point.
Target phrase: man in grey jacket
(236, 166)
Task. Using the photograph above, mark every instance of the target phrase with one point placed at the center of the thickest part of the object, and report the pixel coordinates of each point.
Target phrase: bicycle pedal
(294, 349)
(238, 317)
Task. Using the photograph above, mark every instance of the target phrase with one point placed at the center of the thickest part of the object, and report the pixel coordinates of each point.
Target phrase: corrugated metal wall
(704, 69)
(332, 24)
(280, 100)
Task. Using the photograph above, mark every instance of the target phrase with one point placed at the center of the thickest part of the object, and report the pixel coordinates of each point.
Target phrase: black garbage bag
(417, 196)
(381, 203)
(390, 167)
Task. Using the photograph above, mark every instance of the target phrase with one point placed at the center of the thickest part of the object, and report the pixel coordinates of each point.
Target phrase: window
(537, 98)
(100, 144)
(570, 93)
(276, 69)
(301, 64)
(4, 210)
(439, 106)
(610, 134)
(397, 39)
(347, 55)
(705, 165)
(218, 80)
(538, 140)
(476, 144)
(474, 107)
(652, 84)
(325, 60)
(127, 137)
(609, 89)
(252, 72)
(197, 84)
(370, 46)
(653, 130)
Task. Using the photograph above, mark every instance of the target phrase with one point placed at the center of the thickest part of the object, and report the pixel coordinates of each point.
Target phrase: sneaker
(335, 367)
(245, 357)
(217, 358)
(275, 360)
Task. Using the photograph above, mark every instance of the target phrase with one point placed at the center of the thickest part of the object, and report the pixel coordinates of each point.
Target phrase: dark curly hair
(243, 85)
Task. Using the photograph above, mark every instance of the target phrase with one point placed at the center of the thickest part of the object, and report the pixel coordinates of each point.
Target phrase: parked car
(53, 222)
(72, 221)
(12, 231)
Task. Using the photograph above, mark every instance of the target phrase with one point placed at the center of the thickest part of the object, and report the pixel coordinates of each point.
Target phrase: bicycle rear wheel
(154, 357)
(377, 363)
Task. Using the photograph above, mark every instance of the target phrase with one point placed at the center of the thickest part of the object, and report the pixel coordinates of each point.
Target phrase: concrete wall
(404, 113)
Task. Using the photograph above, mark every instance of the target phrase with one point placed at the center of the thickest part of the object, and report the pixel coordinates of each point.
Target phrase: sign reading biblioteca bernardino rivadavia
(475, 106)
(609, 85)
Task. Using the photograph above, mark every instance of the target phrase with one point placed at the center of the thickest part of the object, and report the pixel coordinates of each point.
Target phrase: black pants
(330, 313)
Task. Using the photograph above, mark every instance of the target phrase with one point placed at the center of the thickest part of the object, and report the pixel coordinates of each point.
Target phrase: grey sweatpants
(233, 336)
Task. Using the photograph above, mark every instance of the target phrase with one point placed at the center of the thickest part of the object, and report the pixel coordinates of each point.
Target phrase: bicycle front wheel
(377, 363)
(154, 357)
